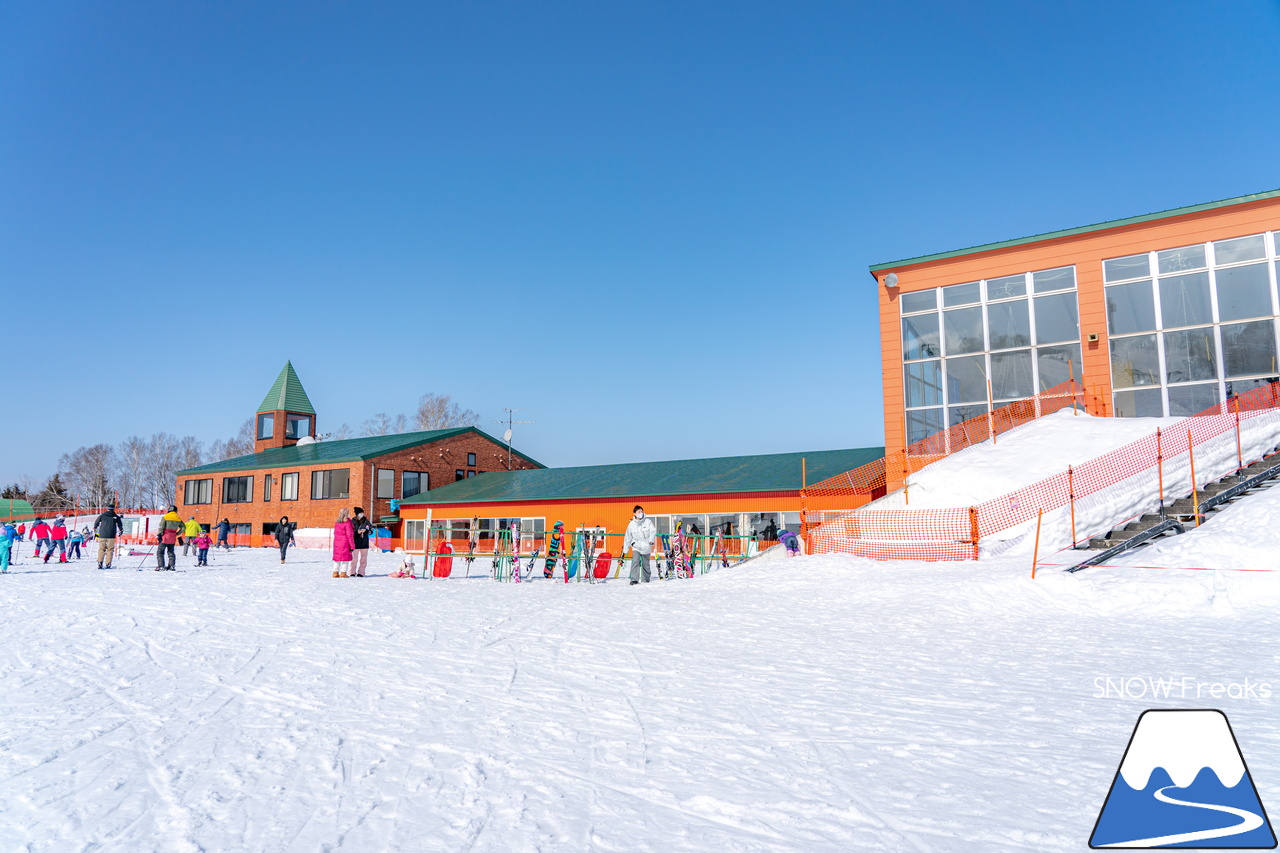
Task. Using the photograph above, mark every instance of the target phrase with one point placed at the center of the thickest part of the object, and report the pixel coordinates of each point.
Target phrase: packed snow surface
(817, 703)
(1240, 536)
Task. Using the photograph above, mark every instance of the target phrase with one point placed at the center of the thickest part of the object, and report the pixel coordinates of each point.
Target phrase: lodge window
(326, 485)
(266, 425)
(237, 490)
(199, 492)
(471, 473)
(289, 486)
(297, 426)
(266, 487)
(386, 483)
(459, 474)
(412, 483)
(471, 460)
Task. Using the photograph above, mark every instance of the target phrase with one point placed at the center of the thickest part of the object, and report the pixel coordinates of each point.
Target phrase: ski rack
(1207, 505)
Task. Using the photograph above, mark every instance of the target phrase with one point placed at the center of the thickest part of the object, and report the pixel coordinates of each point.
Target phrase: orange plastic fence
(954, 534)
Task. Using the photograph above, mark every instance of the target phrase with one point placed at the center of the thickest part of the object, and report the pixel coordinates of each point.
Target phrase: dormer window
(266, 425)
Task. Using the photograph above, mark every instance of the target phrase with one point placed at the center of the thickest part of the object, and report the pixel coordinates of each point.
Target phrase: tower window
(266, 425)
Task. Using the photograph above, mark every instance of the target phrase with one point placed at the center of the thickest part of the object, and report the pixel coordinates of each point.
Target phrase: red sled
(444, 563)
(603, 562)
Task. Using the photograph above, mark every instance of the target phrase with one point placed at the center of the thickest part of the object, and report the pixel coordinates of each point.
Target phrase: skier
(203, 543)
(6, 545)
(40, 533)
(791, 542)
(107, 527)
(224, 533)
(76, 540)
(284, 535)
(640, 537)
(190, 531)
(344, 542)
(362, 529)
(57, 536)
(168, 534)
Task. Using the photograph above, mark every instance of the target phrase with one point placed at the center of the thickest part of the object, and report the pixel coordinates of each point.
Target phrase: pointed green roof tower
(287, 394)
(285, 414)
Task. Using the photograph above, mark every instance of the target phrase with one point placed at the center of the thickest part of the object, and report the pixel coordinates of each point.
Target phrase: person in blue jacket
(8, 535)
(791, 542)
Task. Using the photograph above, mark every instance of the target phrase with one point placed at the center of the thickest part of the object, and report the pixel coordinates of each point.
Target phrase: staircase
(1177, 516)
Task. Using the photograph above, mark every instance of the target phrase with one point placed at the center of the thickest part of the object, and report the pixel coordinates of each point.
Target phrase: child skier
(790, 542)
(76, 539)
(203, 544)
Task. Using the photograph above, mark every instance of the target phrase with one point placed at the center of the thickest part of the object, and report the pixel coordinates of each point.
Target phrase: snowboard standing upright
(554, 546)
(515, 550)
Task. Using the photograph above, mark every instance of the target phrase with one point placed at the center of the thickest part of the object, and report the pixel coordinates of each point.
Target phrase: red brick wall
(439, 460)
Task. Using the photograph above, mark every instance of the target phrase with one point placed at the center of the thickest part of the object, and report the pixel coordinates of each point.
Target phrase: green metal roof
(1084, 229)
(286, 394)
(12, 510)
(333, 452)
(775, 472)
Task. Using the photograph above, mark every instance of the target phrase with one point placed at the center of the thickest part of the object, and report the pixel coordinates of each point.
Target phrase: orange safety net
(954, 534)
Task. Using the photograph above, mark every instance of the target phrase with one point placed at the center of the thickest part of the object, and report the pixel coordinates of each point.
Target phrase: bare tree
(379, 424)
(163, 463)
(439, 411)
(342, 433)
(87, 472)
(131, 471)
(241, 444)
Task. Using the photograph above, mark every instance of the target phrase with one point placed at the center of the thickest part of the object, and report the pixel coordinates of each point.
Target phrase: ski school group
(676, 553)
(47, 537)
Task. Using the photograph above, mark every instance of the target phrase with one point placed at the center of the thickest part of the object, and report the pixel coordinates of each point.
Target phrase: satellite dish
(891, 280)
(306, 439)
(506, 436)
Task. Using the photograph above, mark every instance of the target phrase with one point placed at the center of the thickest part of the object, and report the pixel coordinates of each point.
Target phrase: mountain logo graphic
(1182, 783)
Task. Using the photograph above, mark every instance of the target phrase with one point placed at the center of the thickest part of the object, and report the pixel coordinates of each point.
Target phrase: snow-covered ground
(819, 703)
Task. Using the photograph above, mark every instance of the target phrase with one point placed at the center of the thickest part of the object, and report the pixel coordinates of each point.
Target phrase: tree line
(142, 472)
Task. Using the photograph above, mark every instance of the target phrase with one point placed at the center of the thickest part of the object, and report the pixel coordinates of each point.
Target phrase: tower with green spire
(285, 415)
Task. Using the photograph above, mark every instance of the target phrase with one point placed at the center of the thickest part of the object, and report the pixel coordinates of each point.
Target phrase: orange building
(1157, 315)
(736, 496)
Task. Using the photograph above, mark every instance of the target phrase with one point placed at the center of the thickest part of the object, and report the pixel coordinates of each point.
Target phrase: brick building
(291, 473)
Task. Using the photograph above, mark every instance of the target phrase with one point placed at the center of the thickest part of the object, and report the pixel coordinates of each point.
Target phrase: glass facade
(1189, 327)
(1018, 333)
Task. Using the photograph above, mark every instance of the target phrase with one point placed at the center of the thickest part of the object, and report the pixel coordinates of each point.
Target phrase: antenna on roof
(506, 436)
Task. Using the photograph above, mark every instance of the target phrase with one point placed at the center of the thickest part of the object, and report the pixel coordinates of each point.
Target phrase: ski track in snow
(823, 703)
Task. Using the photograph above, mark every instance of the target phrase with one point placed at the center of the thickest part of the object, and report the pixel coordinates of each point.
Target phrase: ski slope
(808, 704)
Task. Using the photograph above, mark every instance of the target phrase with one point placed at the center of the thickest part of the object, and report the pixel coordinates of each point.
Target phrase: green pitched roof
(775, 472)
(1084, 229)
(333, 452)
(286, 394)
(13, 510)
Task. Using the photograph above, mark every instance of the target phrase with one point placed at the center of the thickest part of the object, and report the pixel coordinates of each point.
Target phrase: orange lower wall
(613, 515)
(1086, 252)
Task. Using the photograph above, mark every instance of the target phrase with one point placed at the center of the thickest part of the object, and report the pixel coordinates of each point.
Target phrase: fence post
(1239, 452)
(1071, 496)
(1160, 467)
(973, 529)
(1035, 553)
(1195, 495)
(804, 507)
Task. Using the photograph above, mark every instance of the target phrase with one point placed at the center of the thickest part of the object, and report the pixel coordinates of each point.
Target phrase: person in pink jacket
(344, 542)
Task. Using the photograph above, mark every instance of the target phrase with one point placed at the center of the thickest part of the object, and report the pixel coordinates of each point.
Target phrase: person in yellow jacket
(189, 534)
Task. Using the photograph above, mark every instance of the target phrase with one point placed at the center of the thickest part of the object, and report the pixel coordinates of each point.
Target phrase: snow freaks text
(1184, 687)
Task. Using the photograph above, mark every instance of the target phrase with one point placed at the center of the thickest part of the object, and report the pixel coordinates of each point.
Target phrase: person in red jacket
(57, 536)
(40, 533)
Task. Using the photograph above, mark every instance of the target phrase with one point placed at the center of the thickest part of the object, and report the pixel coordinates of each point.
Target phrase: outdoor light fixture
(891, 280)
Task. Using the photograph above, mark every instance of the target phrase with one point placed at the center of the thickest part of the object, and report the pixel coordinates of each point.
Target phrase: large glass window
(412, 483)
(1201, 353)
(986, 330)
(327, 485)
(266, 425)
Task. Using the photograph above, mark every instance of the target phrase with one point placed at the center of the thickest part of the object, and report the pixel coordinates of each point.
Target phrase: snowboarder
(363, 529)
(167, 535)
(107, 527)
(284, 535)
(344, 542)
(640, 537)
(190, 531)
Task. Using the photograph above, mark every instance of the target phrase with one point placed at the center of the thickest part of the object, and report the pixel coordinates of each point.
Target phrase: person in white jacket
(640, 538)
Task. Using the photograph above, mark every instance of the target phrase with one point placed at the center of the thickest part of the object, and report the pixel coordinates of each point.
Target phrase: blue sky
(646, 225)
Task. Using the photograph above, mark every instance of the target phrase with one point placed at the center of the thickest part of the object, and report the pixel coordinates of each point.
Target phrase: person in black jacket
(284, 534)
(107, 528)
(360, 553)
(224, 533)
